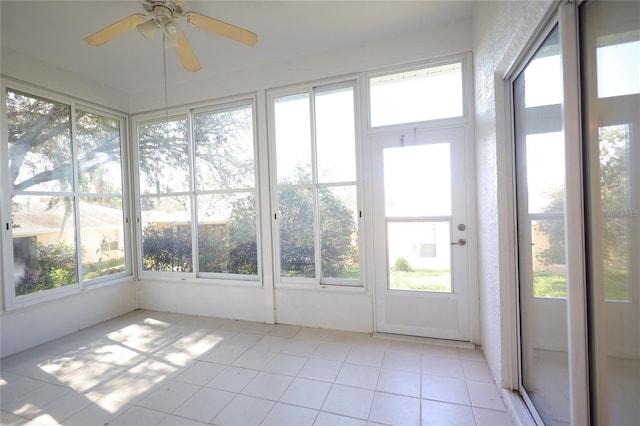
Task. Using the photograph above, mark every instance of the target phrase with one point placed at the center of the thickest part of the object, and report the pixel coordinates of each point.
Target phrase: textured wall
(501, 30)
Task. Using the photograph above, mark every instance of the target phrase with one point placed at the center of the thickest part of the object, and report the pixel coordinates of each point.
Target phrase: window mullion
(192, 195)
(75, 191)
(315, 187)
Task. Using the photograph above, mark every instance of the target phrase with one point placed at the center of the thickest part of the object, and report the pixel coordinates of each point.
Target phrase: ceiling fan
(163, 16)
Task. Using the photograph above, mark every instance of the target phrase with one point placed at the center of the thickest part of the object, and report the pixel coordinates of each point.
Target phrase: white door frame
(469, 313)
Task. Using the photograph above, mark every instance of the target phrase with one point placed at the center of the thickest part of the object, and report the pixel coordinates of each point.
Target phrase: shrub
(402, 264)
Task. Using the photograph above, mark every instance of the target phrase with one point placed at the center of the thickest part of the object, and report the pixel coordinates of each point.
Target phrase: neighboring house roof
(36, 217)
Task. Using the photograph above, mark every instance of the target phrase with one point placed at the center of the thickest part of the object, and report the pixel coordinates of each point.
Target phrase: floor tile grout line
(339, 339)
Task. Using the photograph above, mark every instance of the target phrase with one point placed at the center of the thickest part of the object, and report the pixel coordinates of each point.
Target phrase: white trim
(263, 186)
(574, 209)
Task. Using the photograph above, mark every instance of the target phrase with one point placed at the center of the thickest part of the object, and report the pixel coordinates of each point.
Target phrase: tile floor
(151, 368)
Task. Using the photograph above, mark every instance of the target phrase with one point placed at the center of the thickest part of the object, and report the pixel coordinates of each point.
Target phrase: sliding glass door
(540, 165)
(610, 33)
(577, 164)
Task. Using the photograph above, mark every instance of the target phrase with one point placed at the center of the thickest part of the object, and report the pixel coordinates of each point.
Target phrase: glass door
(541, 214)
(421, 234)
(611, 54)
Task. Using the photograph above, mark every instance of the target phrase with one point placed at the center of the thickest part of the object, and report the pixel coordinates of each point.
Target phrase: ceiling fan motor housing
(168, 8)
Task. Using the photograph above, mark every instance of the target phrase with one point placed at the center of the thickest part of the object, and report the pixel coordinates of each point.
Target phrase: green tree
(553, 228)
(297, 236)
(166, 250)
(615, 199)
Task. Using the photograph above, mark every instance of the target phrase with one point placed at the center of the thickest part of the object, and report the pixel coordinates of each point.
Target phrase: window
(66, 191)
(165, 200)
(416, 95)
(198, 168)
(316, 185)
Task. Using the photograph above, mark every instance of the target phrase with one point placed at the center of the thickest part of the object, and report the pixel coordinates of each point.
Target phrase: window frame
(189, 112)
(312, 89)
(465, 61)
(11, 300)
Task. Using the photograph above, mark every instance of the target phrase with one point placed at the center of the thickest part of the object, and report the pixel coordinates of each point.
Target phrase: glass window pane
(297, 240)
(335, 136)
(224, 149)
(166, 234)
(293, 139)
(99, 159)
(548, 257)
(545, 172)
(102, 236)
(227, 233)
(419, 256)
(616, 186)
(424, 94)
(339, 232)
(543, 77)
(404, 168)
(39, 134)
(611, 123)
(164, 156)
(44, 253)
(616, 170)
(617, 249)
(618, 64)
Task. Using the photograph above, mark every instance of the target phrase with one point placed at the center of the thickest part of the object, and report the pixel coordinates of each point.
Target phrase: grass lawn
(421, 279)
(547, 284)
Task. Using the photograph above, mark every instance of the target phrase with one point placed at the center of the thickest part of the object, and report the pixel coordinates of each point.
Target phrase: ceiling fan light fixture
(170, 35)
(148, 29)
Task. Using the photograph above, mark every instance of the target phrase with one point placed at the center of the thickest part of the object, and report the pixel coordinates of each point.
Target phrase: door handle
(460, 242)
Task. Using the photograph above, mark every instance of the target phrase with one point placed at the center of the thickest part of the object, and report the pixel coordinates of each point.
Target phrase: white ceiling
(53, 32)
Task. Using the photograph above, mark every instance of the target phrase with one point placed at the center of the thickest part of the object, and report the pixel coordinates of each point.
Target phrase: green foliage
(337, 226)
(297, 242)
(402, 264)
(102, 268)
(165, 251)
(231, 248)
(616, 282)
(297, 237)
(54, 267)
(554, 230)
(614, 154)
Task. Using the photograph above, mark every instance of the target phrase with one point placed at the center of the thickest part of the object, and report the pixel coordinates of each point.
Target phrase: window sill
(325, 288)
(190, 279)
(35, 299)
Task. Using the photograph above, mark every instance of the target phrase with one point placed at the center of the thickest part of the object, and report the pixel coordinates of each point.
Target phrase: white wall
(202, 298)
(325, 308)
(31, 326)
(501, 31)
(17, 66)
(432, 43)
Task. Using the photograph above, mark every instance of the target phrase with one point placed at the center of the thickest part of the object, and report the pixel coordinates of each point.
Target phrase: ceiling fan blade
(222, 28)
(186, 54)
(114, 30)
